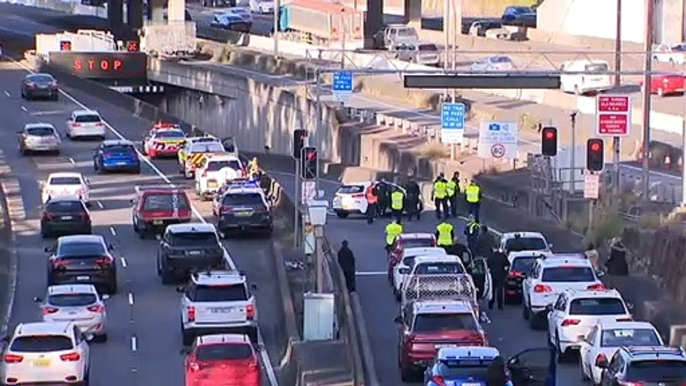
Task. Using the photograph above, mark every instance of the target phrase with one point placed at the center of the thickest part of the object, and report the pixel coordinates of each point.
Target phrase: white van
(581, 84)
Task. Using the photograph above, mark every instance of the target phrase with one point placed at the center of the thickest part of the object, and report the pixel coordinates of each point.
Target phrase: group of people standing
(446, 196)
(383, 196)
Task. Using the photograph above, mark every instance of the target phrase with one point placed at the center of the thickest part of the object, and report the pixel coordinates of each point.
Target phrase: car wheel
(137, 171)
(187, 337)
(86, 379)
(562, 357)
(534, 321)
(407, 374)
(342, 214)
(55, 97)
(23, 152)
(44, 233)
(253, 335)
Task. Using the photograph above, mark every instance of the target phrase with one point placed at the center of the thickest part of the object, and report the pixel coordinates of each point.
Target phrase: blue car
(116, 155)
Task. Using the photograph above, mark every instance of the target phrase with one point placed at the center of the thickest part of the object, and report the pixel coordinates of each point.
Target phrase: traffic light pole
(296, 214)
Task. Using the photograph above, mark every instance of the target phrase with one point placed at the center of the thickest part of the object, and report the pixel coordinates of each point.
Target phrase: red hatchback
(667, 84)
(408, 240)
(222, 360)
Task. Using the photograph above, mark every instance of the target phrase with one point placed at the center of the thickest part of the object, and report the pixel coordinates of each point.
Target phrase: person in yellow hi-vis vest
(473, 198)
(445, 235)
(393, 230)
(397, 204)
(439, 195)
(253, 167)
(453, 189)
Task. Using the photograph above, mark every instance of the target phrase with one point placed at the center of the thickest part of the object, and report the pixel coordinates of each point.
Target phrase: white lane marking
(130, 298)
(265, 357)
(7, 93)
(371, 273)
(100, 205)
(134, 344)
(123, 262)
(24, 109)
(72, 160)
(112, 231)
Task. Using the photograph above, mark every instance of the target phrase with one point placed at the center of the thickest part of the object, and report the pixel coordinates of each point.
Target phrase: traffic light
(299, 137)
(549, 141)
(65, 45)
(309, 163)
(595, 155)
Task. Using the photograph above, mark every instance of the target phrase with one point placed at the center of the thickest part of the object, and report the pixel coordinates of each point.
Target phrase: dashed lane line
(123, 262)
(112, 231)
(7, 94)
(100, 205)
(134, 344)
(130, 298)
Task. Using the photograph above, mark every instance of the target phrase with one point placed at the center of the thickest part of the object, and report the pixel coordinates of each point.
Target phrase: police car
(466, 365)
(194, 151)
(549, 277)
(524, 241)
(243, 206)
(215, 171)
(351, 198)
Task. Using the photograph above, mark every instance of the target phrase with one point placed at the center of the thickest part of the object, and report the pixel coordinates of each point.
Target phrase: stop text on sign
(613, 115)
(102, 64)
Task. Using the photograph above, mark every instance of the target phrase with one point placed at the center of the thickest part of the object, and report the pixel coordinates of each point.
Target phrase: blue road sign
(342, 82)
(452, 122)
(494, 127)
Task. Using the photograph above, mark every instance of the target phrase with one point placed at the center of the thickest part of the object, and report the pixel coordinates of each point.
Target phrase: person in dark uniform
(265, 182)
(617, 264)
(495, 373)
(460, 250)
(384, 193)
(485, 243)
(499, 265)
(471, 231)
(412, 199)
(346, 259)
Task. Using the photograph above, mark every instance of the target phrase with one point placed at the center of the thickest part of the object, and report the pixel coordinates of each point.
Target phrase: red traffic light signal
(299, 138)
(309, 163)
(595, 155)
(549, 141)
(595, 146)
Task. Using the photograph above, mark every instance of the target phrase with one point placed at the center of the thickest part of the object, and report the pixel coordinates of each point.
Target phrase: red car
(222, 359)
(156, 206)
(408, 240)
(426, 326)
(666, 84)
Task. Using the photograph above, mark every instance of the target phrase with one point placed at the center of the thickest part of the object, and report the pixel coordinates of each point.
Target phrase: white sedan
(77, 303)
(493, 63)
(66, 184)
(85, 123)
(604, 340)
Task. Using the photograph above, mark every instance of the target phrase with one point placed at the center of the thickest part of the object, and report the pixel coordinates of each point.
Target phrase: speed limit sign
(498, 150)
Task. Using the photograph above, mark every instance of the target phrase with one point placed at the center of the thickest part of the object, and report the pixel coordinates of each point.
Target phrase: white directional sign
(591, 186)
(498, 140)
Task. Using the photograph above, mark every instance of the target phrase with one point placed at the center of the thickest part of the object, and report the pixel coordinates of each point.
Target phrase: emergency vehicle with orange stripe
(195, 151)
(163, 140)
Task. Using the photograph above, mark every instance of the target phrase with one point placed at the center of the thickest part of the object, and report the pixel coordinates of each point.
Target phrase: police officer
(498, 265)
(372, 196)
(393, 230)
(412, 199)
(440, 195)
(453, 188)
(384, 195)
(485, 243)
(473, 197)
(397, 204)
(445, 235)
(253, 167)
(472, 233)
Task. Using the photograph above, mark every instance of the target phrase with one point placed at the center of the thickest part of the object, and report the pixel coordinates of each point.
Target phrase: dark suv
(65, 215)
(83, 259)
(646, 366)
(187, 248)
(243, 208)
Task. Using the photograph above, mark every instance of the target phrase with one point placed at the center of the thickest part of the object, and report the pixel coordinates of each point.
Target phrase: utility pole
(618, 83)
(683, 157)
(277, 13)
(446, 31)
(650, 8)
(572, 155)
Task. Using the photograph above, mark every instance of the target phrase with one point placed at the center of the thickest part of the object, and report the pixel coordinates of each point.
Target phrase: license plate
(121, 163)
(41, 362)
(195, 253)
(243, 214)
(436, 288)
(221, 310)
(67, 217)
(82, 277)
(471, 384)
(212, 184)
(157, 222)
(438, 346)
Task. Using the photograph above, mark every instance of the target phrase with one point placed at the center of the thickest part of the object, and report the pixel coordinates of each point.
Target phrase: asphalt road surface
(143, 318)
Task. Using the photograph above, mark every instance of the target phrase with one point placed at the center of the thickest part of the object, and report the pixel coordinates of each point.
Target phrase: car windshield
(64, 181)
(522, 264)
(597, 306)
(120, 149)
(568, 274)
(629, 337)
(519, 244)
(424, 323)
(170, 134)
(71, 300)
(350, 189)
(596, 67)
(417, 243)
(214, 166)
(217, 293)
(87, 118)
(520, 10)
(660, 370)
(501, 59)
(242, 199)
(407, 32)
(193, 239)
(467, 370)
(81, 249)
(64, 207)
(41, 131)
(439, 268)
(207, 148)
(41, 78)
(224, 351)
(41, 343)
(165, 202)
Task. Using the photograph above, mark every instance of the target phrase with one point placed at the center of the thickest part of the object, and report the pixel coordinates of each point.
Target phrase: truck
(440, 286)
(321, 23)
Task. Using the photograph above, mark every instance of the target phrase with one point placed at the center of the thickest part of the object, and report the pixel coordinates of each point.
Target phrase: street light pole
(650, 7)
(277, 9)
(618, 82)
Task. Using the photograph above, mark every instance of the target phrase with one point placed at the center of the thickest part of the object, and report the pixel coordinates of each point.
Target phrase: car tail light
(49, 310)
(105, 260)
(11, 358)
(191, 313)
(250, 311)
(53, 84)
(540, 288)
(516, 274)
(84, 215)
(71, 357)
(49, 215)
(596, 287)
(194, 366)
(625, 319)
(76, 124)
(600, 358)
(99, 124)
(438, 380)
(225, 209)
(57, 263)
(261, 209)
(31, 85)
(359, 195)
(624, 383)
(570, 322)
(98, 309)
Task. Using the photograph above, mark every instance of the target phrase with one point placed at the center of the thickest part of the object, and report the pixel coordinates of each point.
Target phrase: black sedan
(83, 259)
(65, 215)
(37, 86)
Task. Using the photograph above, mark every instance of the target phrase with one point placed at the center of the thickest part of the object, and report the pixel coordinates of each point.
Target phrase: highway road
(143, 318)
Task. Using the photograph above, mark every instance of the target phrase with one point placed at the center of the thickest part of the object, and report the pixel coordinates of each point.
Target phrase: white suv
(524, 241)
(575, 313)
(85, 123)
(549, 277)
(406, 264)
(214, 172)
(217, 302)
(46, 352)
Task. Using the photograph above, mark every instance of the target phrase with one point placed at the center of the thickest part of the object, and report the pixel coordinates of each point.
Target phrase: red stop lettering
(117, 64)
(91, 64)
(104, 65)
(78, 64)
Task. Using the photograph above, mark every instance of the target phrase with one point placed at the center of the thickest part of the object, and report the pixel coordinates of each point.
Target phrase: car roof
(586, 294)
(440, 306)
(243, 189)
(365, 184)
(223, 338)
(117, 142)
(40, 74)
(415, 236)
(159, 189)
(218, 277)
(512, 235)
(39, 328)
(191, 227)
(222, 157)
(435, 258)
(651, 352)
(38, 125)
(407, 252)
(556, 260)
(65, 174)
(72, 239)
(86, 112)
(467, 352)
(72, 289)
(614, 325)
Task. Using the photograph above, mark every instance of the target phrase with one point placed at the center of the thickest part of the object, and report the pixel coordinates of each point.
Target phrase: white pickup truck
(439, 286)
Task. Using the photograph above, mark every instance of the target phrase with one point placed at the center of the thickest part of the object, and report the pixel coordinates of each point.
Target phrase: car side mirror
(398, 320)
(599, 273)
(253, 287)
(550, 245)
(601, 362)
(110, 247)
(630, 306)
(37, 299)
(50, 249)
(181, 289)
(89, 337)
(581, 338)
(404, 271)
(105, 297)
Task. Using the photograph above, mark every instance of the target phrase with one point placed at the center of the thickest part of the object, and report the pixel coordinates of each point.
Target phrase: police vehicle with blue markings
(243, 206)
(468, 366)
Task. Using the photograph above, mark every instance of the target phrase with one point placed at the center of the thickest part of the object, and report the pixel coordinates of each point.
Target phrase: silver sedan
(39, 137)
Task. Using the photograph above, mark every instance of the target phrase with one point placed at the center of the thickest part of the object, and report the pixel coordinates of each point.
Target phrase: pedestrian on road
(372, 196)
(616, 264)
(485, 243)
(265, 183)
(453, 188)
(439, 195)
(593, 256)
(445, 235)
(383, 190)
(412, 199)
(393, 230)
(346, 259)
(495, 374)
(397, 204)
(499, 266)
(471, 231)
(473, 197)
